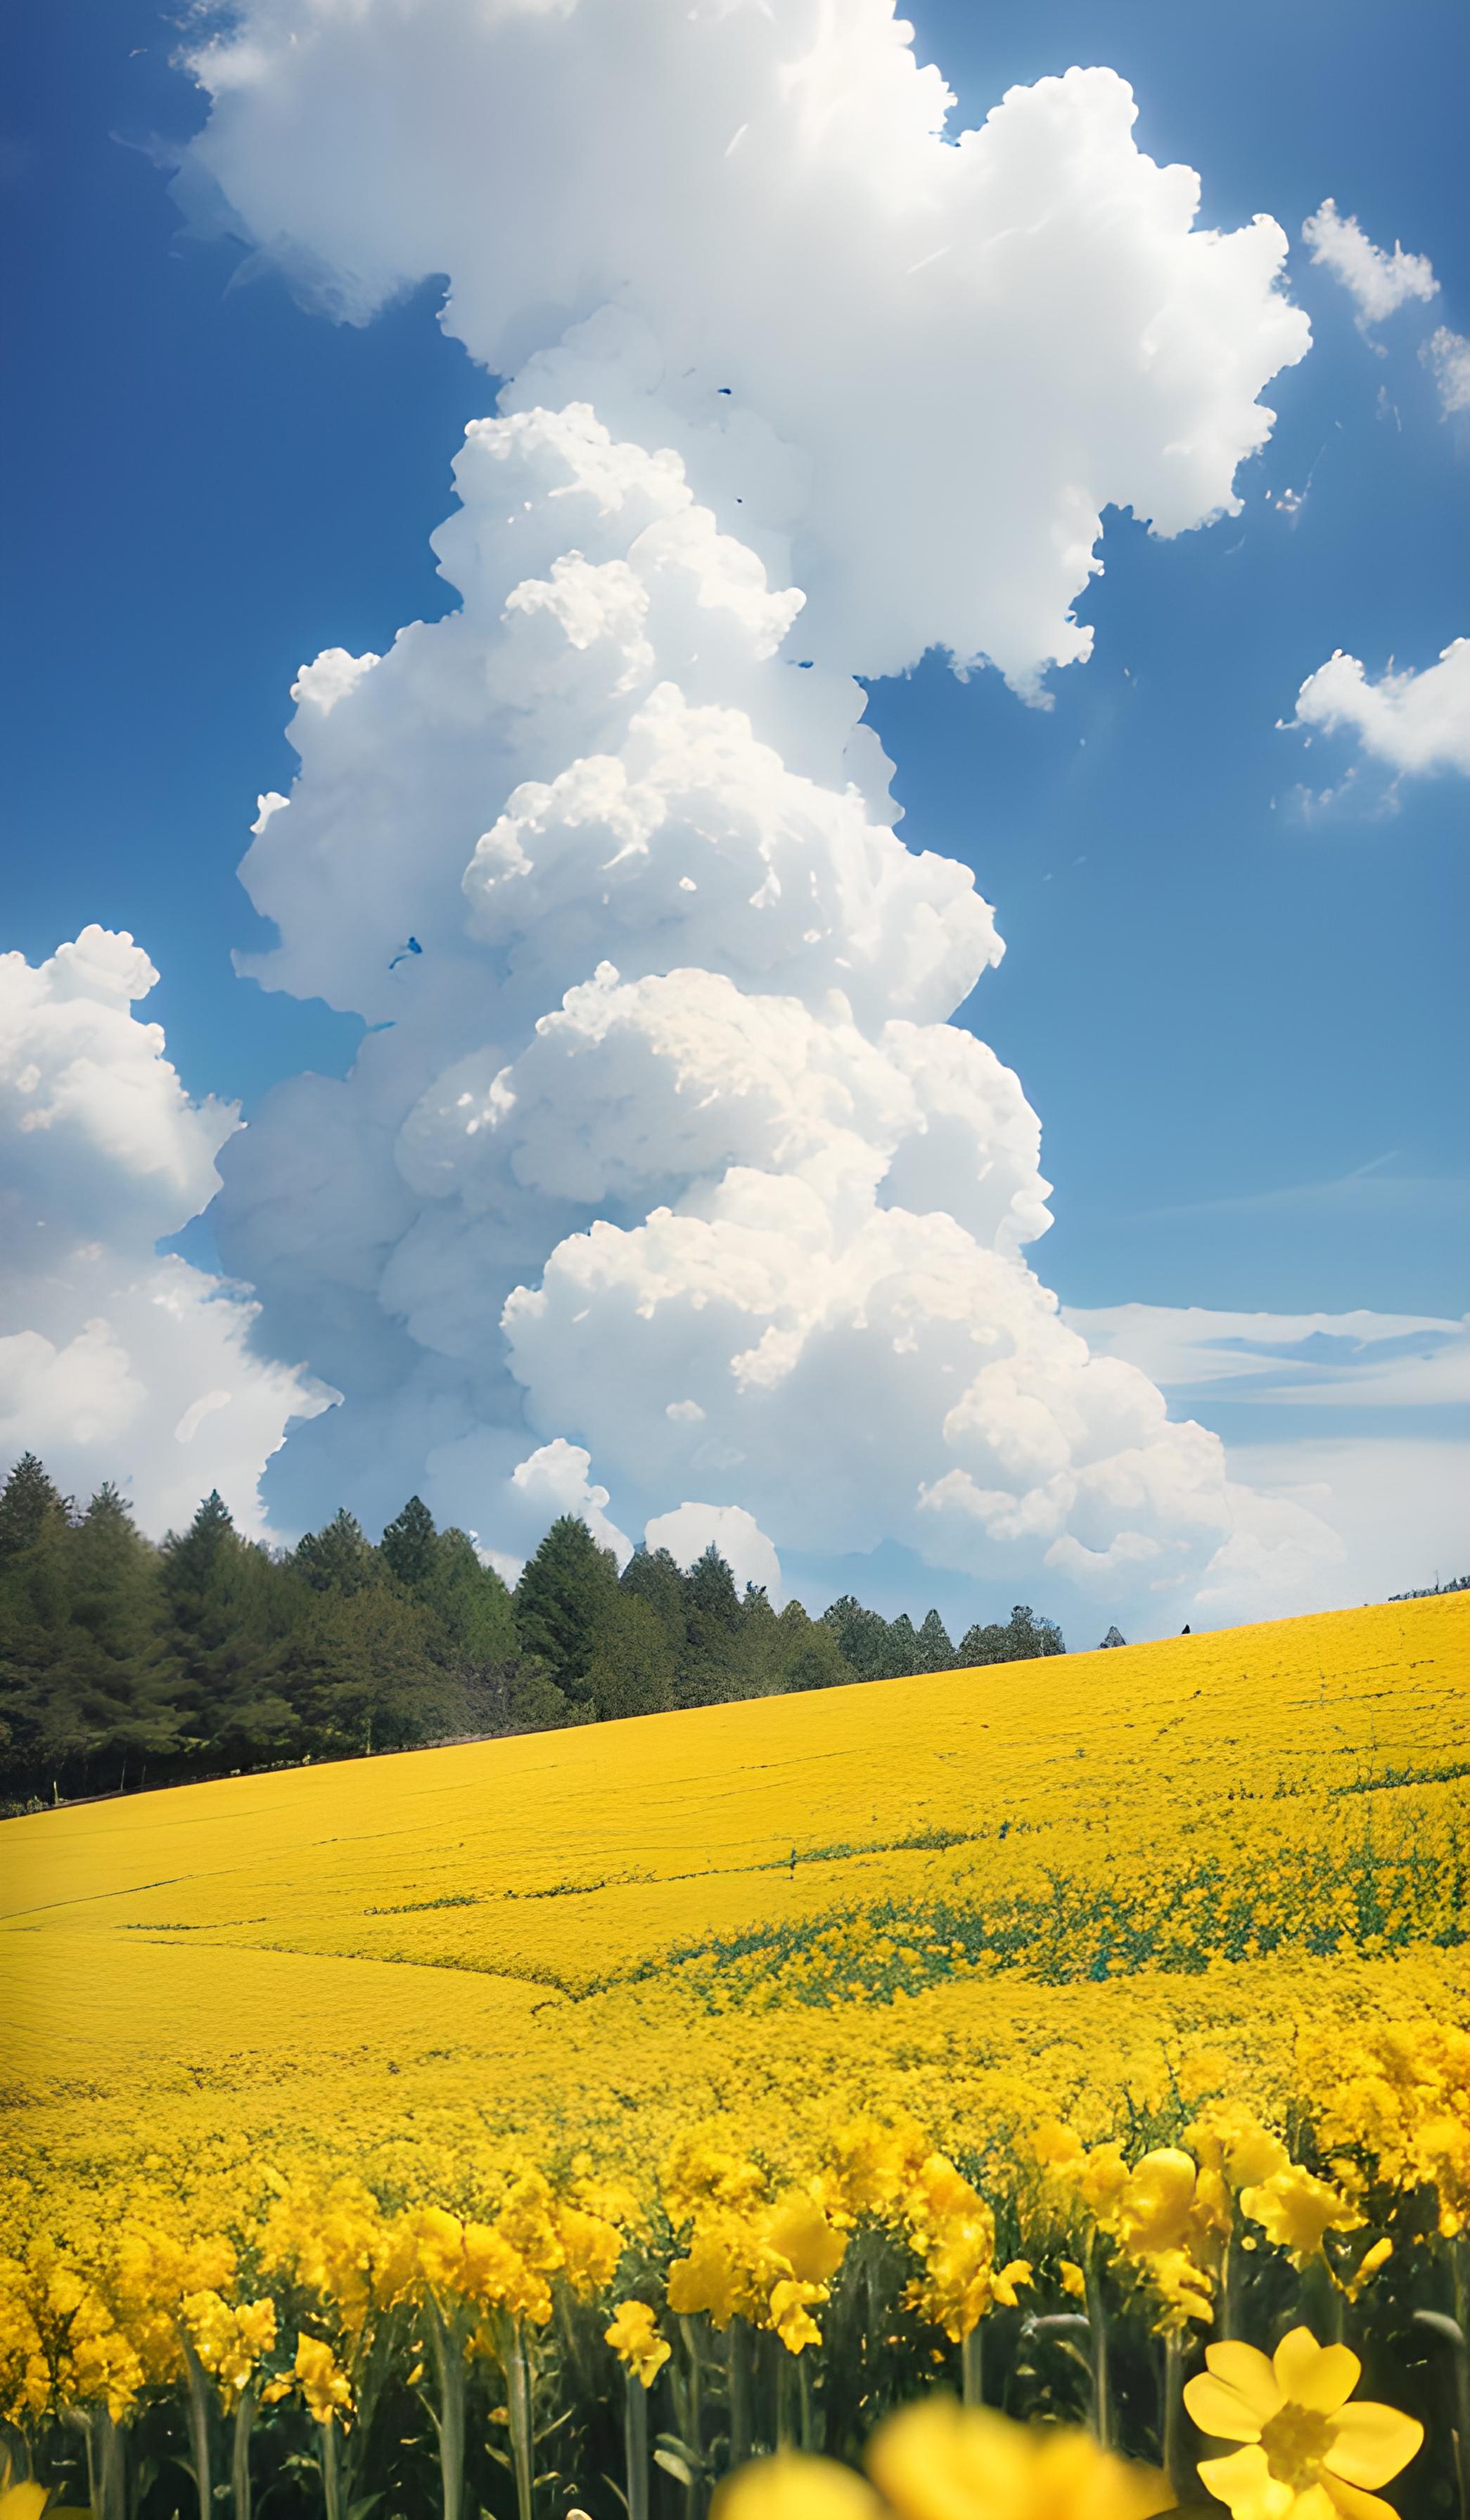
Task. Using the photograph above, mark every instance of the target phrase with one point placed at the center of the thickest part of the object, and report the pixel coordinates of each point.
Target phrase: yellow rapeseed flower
(1307, 2453)
(793, 2487)
(1294, 2208)
(935, 2460)
(635, 2340)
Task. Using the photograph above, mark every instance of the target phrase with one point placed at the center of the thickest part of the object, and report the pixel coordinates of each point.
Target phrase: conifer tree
(811, 1655)
(564, 1597)
(933, 1650)
(116, 1670)
(631, 1668)
(904, 1647)
(472, 1604)
(712, 1668)
(37, 1728)
(865, 1638)
(229, 1617)
(653, 1575)
(408, 1546)
(338, 1558)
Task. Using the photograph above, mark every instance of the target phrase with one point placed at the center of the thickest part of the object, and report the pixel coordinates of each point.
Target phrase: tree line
(124, 1663)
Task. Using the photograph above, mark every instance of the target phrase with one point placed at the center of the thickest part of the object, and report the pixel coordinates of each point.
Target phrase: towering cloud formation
(666, 1167)
(128, 1367)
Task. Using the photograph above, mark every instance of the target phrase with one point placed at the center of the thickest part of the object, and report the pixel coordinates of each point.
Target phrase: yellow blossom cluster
(1035, 2034)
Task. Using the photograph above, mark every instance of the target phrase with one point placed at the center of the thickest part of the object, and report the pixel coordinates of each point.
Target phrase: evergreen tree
(653, 1575)
(762, 1646)
(865, 1638)
(933, 1650)
(631, 1670)
(811, 1655)
(712, 1668)
(39, 1730)
(338, 1558)
(32, 1511)
(903, 1647)
(408, 1546)
(564, 1597)
(230, 1613)
(115, 1672)
(362, 1672)
(472, 1604)
(1023, 1639)
(1114, 1637)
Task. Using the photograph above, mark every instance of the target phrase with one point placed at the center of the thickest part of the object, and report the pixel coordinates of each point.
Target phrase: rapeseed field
(551, 2124)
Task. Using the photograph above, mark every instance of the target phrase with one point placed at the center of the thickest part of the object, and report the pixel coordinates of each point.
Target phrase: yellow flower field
(1027, 2029)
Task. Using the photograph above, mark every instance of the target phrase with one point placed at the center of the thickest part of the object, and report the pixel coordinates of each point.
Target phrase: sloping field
(1102, 1893)
(1298, 1789)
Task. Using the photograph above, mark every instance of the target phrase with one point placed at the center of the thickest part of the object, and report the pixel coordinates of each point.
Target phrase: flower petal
(1221, 2411)
(1321, 2377)
(1241, 2367)
(1370, 2443)
(1354, 2504)
(1244, 2483)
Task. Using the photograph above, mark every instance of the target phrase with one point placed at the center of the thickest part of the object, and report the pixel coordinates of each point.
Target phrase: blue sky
(1238, 1018)
(1220, 1013)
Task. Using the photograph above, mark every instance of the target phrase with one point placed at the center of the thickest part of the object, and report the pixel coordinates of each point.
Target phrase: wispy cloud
(1371, 1188)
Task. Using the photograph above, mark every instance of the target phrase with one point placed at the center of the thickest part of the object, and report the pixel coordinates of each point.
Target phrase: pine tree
(362, 1671)
(472, 1604)
(904, 1647)
(338, 1558)
(1114, 1637)
(564, 1593)
(230, 1614)
(39, 1728)
(811, 1655)
(864, 1637)
(33, 1509)
(631, 1669)
(116, 1671)
(653, 1575)
(933, 1650)
(408, 1546)
(712, 1668)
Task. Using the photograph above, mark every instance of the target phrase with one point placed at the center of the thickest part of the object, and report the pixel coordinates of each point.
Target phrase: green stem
(1322, 2302)
(741, 2376)
(246, 2412)
(106, 2465)
(1460, 2260)
(331, 2478)
(786, 2411)
(1229, 2290)
(1178, 2466)
(199, 2430)
(972, 2376)
(635, 2444)
(449, 2366)
(808, 2399)
(517, 2407)
(1097, 2317)
(694, 2429)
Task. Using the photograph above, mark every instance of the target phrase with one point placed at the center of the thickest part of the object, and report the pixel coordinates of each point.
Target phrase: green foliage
(1023, 1639)
(565, 1597)
(125, 1664)
(631, 1670)
(933, 1650)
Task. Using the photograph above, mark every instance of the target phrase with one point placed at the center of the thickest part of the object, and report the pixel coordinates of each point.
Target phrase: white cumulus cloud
(666, 1176)
(691, 1529)
(1375, 281)
(1415, 722)
(115, 1363)
(1447, 355)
